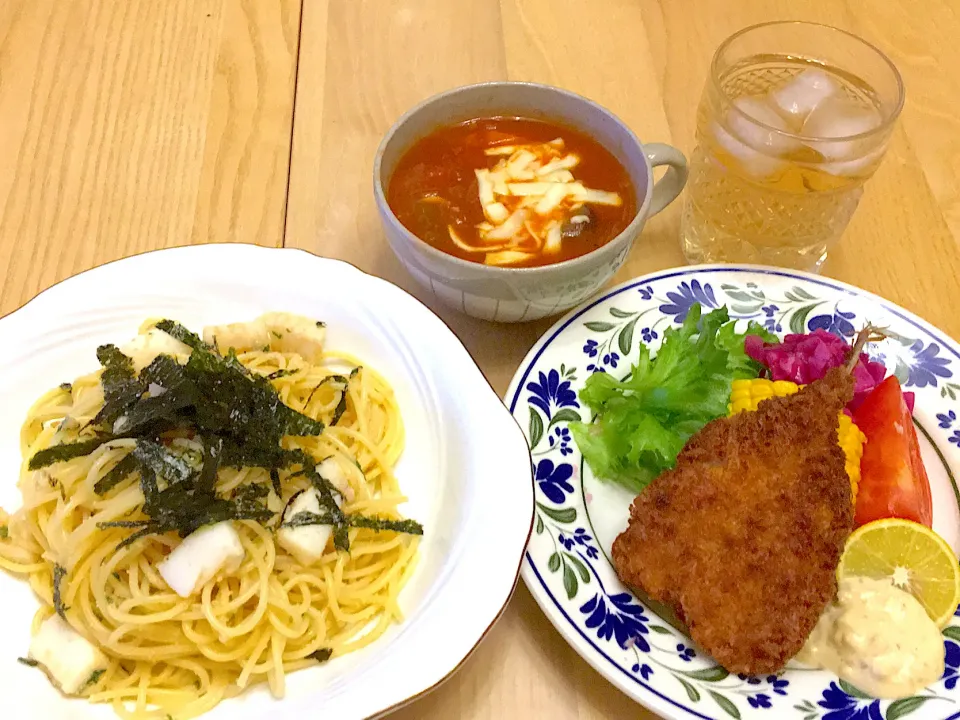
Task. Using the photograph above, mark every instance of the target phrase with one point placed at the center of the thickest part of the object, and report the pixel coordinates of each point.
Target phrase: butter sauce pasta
(201, 515)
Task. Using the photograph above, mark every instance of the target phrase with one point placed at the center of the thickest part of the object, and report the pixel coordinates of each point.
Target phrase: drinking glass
(794, 118)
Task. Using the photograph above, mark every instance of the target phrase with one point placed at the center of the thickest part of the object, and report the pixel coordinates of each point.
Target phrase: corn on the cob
(746, 395)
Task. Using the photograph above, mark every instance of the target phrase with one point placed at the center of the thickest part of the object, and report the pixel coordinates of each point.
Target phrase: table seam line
(293, 125)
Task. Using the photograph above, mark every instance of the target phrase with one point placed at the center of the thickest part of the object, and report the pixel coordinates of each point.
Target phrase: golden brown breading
(742, 538)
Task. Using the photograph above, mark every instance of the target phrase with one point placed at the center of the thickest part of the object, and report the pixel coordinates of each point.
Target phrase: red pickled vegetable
(804, 358)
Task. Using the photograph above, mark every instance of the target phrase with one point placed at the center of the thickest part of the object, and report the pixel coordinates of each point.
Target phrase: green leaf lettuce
(642, 422)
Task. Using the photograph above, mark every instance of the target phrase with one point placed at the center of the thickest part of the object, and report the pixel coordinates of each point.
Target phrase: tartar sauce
(878, 638)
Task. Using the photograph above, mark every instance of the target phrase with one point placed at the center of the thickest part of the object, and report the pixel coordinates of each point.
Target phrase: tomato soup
(511, 192)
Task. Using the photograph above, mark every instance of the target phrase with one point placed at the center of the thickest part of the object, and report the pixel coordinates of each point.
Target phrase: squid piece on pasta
(148, 345)
(282, 332)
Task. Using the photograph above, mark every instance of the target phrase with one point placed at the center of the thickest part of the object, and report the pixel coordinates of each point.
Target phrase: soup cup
(519, 294)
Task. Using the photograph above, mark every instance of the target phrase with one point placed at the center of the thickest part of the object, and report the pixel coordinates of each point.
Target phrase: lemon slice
(913, 556)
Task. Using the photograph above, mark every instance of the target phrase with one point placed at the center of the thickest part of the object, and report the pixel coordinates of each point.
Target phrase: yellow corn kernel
(746, 395)
(782, 388)
(852, 440)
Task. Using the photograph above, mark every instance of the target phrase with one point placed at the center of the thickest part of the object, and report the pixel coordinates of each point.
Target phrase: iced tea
(784, 145)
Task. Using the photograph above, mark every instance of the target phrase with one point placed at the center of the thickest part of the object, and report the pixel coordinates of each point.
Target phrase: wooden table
(129, 125)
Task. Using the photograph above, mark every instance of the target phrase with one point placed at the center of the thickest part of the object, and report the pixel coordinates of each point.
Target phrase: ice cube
(767, 141)
(841, 117)
(798, 98)
(855, 166)
(755, 163)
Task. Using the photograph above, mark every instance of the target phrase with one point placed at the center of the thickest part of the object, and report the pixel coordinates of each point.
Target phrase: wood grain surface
(132, 126)
(129, 126)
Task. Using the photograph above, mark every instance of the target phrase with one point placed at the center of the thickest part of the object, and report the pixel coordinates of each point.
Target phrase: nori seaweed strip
(29, 662)
(248, 502)
(328, 378)
(184, 507)
(178, 509)
(65, 451)
(232, 361)
(289, 504)
(117, 475)
(154, 415)
(212, 451)
(148, 485)
(116, 365)
(305, 518)
(179, 332)
(130, 539)
(296, 423)
(315, 388)
(328, 502)
(309, 469)
(341, 537)
(277, 374)
(341, 407)
(66, 387)
(219, 510)
(123, 523)
(162, 462)
(275, 481)
(92, 680)
(252, 455)
(121, 388)
(321, 655)
(250, 493)
(232, 399)
(59, 573)
(164, 410)
(164, 371)
(408, 527)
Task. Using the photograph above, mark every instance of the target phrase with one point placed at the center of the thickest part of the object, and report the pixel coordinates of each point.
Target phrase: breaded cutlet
(743, 537)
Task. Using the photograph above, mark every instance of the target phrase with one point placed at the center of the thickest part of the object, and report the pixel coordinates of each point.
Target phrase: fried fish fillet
(743, 537)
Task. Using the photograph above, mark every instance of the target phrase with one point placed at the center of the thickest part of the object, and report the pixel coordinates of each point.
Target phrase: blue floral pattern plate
(567, 565)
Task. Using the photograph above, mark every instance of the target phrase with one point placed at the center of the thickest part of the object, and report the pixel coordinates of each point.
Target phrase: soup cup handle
(666, 189)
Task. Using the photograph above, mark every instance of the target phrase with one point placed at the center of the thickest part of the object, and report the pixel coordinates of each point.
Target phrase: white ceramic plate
(567, 566)
(464, 456)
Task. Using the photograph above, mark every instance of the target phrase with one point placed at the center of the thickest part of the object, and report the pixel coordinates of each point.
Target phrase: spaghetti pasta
(169, 656)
